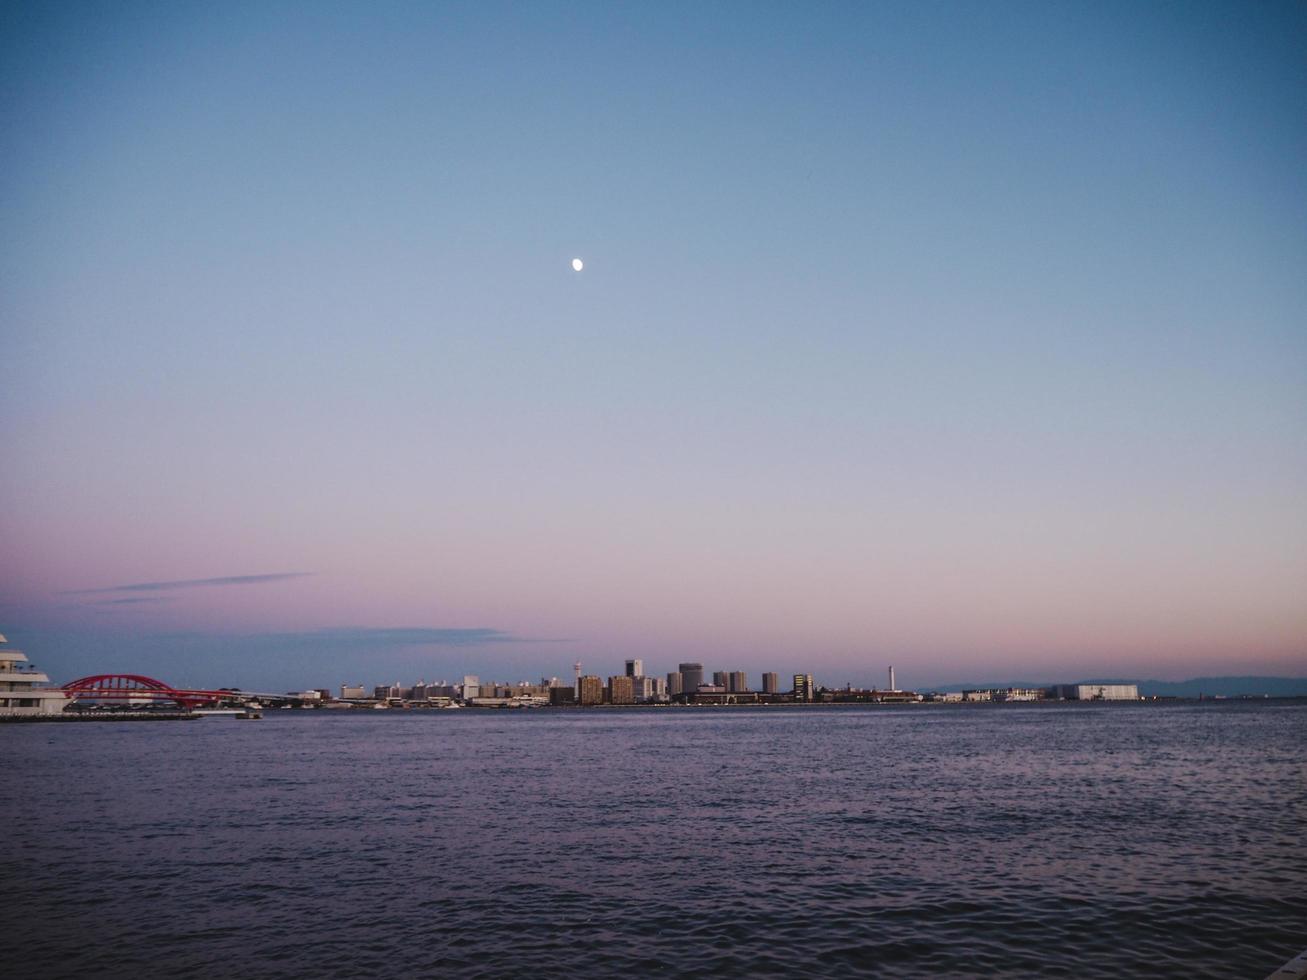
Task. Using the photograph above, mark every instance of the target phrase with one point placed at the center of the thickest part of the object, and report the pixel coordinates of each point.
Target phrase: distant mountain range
(1276, 687)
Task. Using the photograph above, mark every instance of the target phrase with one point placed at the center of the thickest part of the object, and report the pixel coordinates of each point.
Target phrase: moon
(577, 265)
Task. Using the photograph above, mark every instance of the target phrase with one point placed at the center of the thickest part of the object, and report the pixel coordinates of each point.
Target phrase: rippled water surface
(1092, 841)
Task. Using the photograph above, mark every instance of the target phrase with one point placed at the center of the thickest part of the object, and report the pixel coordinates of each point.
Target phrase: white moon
(577, 265)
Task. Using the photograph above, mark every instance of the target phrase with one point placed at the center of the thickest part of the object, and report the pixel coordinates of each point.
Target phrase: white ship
(19, 694)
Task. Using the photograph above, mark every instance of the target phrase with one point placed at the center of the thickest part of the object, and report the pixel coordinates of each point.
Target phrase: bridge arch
(128, 688)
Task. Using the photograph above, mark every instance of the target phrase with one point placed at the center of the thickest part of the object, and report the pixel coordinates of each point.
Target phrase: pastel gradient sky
(966, 337)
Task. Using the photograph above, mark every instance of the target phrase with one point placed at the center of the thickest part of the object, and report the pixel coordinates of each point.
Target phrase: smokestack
(891, 680)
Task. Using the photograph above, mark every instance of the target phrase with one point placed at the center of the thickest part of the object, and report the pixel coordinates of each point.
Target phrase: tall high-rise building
(635, 668)
(591, 689)
(691, 676)
(892, 685)
(675, 683)
(719, 679)
(621, 689)
(736, 681)
(803, 688)
(771, 683)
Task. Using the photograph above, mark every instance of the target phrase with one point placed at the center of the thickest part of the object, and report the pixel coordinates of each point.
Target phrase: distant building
(559, 695)
(852, 695)
(977, 695)
(471, 686)
(675, 683)
(737, 682)
(712, 694)
(352, 692)
(771, 683)
(719, 679)
(1097, 692)
(804, 690)
(635, 668)
(621, 689)
(590, 689)
(691, 676)
(1019, 694)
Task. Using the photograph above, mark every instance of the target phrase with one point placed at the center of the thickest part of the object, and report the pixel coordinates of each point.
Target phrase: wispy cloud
(133, 601)
(392, 636)
(353, 639)
(191, 583)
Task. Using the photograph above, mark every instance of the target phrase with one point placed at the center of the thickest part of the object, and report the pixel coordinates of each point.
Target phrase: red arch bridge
(137, 689)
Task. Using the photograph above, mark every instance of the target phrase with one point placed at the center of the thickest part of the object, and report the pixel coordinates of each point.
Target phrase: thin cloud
(133, 601)
(394, 636)
(357, 638)
(191, 583)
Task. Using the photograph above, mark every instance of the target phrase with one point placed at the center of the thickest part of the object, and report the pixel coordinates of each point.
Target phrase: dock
(1295, 969)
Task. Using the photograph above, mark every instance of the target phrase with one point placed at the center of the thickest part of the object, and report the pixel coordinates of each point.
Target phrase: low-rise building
(1096, 692)
(561, 696)
(1019, 694)
(713, 694)
(22, 687)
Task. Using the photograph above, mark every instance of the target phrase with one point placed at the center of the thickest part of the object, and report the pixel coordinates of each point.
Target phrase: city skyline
(965, 339)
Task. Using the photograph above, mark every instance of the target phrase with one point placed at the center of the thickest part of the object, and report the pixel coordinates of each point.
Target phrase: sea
(1043, 840)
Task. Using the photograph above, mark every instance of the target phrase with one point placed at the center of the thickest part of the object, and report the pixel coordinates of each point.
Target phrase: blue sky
(965, 337)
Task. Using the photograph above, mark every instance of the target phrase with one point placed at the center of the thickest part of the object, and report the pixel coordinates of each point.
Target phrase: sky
(970, 338)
